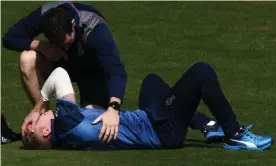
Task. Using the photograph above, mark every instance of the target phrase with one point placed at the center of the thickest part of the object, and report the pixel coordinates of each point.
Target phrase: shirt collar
(55, 142)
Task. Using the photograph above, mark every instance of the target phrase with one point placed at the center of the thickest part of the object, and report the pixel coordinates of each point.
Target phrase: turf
(236, 38)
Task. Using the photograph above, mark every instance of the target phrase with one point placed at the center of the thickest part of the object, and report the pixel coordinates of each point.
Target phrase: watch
(115, 105)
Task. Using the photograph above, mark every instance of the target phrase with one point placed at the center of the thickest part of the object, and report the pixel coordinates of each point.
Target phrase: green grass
(237, 38)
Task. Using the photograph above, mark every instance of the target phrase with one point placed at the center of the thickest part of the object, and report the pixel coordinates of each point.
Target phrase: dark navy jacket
(94, 54)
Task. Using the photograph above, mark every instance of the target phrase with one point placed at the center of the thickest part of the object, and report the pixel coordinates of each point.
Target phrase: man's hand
(49, 51)
(33, 117)
(110, 127)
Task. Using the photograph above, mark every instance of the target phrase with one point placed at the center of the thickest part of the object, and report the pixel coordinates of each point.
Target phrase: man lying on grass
(161, 121)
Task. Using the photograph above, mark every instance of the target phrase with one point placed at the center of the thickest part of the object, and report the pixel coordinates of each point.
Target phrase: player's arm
(58, 84)
(20, 36)
(100, 39)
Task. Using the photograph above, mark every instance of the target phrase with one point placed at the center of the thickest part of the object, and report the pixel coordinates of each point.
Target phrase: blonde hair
(30, 142)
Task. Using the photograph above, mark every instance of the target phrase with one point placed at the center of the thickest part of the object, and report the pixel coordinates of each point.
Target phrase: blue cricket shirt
(72, 129)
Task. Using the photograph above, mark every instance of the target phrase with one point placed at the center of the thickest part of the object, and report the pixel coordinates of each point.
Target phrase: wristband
(115, 105)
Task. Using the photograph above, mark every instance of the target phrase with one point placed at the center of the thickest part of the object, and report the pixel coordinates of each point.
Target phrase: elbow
(12, 43)
(6, 41)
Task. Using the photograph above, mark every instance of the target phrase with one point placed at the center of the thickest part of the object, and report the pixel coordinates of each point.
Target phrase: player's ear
(46, 132)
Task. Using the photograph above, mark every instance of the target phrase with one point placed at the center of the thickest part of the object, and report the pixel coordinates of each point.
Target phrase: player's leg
(200, 120)
(209, 127)
(176, 111)
(154, 89)
(200, 82)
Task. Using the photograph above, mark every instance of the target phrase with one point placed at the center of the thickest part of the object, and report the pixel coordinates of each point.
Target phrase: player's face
(70, 38)
(43, 127)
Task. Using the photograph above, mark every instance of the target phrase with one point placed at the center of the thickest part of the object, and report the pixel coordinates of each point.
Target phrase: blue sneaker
(213, 133)
(249, 141)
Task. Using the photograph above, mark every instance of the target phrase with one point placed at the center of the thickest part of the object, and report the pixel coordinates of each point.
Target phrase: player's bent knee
(27, 60)
(201, 65)
(151, 77)
(204, 70)
(31, 60)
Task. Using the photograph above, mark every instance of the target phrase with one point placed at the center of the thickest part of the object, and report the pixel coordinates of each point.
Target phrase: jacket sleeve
(21, 34)
(100, 40)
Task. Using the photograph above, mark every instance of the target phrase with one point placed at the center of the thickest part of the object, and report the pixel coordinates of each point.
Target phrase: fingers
(34, 124)
(116, 132)
(97, 120)
(23, 128)
(102, 132)
(111, 135)
(32, 119)
(107, 133)
(110, 128)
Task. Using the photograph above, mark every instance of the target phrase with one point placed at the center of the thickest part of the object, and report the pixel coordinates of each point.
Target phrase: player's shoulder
(87, 8)
(67, 107)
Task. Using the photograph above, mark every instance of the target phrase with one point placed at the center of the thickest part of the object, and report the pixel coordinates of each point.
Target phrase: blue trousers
(172, 110)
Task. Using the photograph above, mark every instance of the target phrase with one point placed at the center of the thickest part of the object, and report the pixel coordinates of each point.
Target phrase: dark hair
(55, 24)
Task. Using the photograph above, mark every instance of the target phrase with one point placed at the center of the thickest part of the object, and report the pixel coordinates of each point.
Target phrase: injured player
(161, 120)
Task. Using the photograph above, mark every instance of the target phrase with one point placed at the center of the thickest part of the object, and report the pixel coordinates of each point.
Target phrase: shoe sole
(246, 148)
